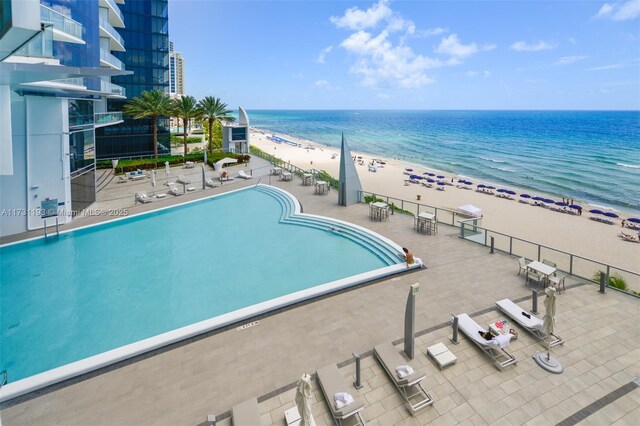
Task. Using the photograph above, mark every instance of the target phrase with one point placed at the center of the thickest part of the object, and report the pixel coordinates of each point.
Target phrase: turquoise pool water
(99, 288)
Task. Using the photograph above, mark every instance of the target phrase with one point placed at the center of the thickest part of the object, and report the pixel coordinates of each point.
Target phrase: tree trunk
(186, 150)
(210, 135)
(155, 136)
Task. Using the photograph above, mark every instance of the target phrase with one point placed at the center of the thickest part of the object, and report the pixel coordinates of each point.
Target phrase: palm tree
(152, 104)
(185, 108)
(214, 111)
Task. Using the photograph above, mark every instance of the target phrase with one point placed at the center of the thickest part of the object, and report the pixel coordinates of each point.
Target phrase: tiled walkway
(184, 384)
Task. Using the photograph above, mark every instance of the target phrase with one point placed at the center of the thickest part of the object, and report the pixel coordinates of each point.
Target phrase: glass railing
(115, 8)
(40, 46)
(79, 81)
(104, 23)
(61, 22)
(573, 264)
(110, 59)
(108, 87)
(107, 117)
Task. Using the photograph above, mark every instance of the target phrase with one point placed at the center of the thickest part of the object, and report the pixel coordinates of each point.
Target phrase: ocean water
(592, 156)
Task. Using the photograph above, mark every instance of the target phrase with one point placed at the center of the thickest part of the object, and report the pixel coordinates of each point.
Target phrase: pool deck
(183, 384)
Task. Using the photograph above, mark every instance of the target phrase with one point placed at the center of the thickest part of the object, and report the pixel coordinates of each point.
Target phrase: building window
(82, 150)
(238, 133)
(80, 112)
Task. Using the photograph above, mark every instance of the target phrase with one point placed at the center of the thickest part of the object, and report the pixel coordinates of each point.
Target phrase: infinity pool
(110, 285)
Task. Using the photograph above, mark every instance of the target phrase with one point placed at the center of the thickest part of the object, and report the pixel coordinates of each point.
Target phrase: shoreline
(572, 233)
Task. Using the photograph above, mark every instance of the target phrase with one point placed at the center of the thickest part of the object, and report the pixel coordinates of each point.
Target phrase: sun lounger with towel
(181, 179)
(143, 197)
(333, 386)
(243, 175)
(403, 377)
(209, 182)
(246, 413)
(495, 348)
(528, 321)
(173, 190)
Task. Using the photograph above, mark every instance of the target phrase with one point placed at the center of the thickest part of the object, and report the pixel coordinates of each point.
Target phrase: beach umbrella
(167, 169)
(482, 186)
(441, 183)
(576, 206)
(633, 219)
(537, 198)
(430, 180)
(548, 362)
(525, 196)
(153, 178)
(408, 170)
(549, 201)
(440, 177)
(431, 174)
(490, 187)
(561, 204)
(426, 173)
(612, 215)
(510, 192)
(501, 190)
(469, 182)
(303, 400)
(596, 211)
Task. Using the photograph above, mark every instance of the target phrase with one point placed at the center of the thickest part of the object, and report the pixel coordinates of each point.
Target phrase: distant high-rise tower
(176, 73)
(146, 35)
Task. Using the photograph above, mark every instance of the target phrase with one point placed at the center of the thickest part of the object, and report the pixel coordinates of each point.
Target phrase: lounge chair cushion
(472, 329)
(515, 312)
(391, 358)
(333, 383)
(246, 413)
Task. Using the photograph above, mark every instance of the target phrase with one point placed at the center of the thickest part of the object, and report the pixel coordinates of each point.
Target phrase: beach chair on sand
(628, 237)
(410, 385)
(495, 348)
(528, 321)
(246, 413)
(332, 384)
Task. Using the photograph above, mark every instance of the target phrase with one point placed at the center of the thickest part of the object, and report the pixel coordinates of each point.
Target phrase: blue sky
(411, 54)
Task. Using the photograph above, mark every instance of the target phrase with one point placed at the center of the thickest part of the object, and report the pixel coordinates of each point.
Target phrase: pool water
(102, 287)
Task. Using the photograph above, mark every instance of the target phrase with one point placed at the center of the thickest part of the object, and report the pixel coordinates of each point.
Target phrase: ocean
(592, 156)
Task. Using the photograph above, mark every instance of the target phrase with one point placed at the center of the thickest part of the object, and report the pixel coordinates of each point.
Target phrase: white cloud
(472, 73)
(322, 84)
(572, 40)
(486, 74)
(451, 46)
(432, 32)
(606, 67)
(382, 96)
(566, 60)
(619, 11)
(358, 19)
(522, 46)
(323, 54)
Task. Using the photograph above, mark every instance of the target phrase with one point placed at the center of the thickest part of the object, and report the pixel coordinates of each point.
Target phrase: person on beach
(408, 256)
(623, 222)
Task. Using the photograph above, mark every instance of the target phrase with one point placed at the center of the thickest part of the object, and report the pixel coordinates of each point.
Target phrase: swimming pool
(107, 292)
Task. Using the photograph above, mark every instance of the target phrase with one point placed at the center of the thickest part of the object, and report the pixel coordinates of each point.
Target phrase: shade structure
(549, 201)
(633, 219)
(430, 180)
(546, 361)
(490, 187)
(501, 190)
(537, 198)
(440, 177)
(612, 215)
(596, 211)
(227, 160)
(510, 192)
(525, 196)
(482, 186)
(470, 210)
(576, 206)
(303, 400)
(441, 183)
(408, 170)
(561, 204)
(431, 174)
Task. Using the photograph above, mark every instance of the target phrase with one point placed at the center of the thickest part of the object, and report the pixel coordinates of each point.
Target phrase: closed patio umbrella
(546, 361)
(153, 178)
(303, 400)
(167, 169)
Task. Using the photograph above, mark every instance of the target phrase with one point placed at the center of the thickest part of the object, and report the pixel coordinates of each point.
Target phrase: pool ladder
(46, 234)
(4, 378)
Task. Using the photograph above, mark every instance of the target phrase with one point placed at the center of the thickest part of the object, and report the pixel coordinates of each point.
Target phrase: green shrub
(615, 281)
(190, 139)
(371, 199)
(125, 166)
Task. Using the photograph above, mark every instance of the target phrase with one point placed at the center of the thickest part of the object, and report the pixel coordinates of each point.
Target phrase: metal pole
(410, 320)
(357, 383)
(454, 326)
(602, 282)
(534, 302)
(492, 241)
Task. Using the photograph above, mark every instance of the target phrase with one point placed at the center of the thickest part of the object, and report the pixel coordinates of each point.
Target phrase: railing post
(534, 302)
(608, 274)
(570, 264)
(492, 244)
(510, 246)
(602, 282)
(357, 383)
(539, 250)
(462, 230)
(485, 237)
(454, 335)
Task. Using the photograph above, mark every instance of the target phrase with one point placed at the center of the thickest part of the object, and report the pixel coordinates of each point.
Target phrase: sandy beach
(571, 233)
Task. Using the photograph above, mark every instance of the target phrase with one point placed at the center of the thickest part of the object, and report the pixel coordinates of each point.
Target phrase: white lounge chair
(209, 182)
(495, 348)
(173, 190)
(123, 178)
(243, 175)
(143, 197)
(183, 180)
(224, 176)
(528, 321)
(410, 386)
(331, 383)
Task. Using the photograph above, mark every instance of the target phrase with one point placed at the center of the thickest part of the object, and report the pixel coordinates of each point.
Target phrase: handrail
(4, 378)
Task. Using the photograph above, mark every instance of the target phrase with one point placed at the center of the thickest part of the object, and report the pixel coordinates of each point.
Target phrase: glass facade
(146, 37)
(238, 133)
(81, 150)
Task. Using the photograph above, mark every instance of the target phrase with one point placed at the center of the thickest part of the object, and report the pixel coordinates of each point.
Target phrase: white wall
(6, 146)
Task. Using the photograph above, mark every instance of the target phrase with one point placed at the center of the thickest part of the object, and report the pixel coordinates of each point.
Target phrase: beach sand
(570, 233)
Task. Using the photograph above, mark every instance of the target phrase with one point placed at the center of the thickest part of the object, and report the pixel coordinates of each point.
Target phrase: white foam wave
(601, 207)
(630, 166)
(493, 160)
(502, 169)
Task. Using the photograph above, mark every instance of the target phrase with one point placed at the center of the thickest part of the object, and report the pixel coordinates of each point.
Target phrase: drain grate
(248, 325)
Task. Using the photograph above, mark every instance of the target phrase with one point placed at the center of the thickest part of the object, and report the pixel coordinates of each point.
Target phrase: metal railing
(61, 22)
(110, 59)
(107, 117)
(573, 264)
(109, 29)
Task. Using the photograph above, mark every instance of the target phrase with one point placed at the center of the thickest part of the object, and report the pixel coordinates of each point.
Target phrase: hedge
(125, 166)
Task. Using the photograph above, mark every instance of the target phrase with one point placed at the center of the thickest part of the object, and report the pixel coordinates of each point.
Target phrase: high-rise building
(56, 67)
(146, 35)
(176, 73)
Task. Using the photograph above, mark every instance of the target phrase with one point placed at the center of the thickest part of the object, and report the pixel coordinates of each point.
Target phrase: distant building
(146, 35)
(235, 136)
(176, 73)
(56, 65)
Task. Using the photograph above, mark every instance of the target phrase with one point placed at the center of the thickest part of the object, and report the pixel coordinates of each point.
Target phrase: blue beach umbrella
(510, 192)
(576, 206)
(430, 180)
(561, 204)
(482, 186)
(633, 219)
(501, 190)
(490, 187)
(537, 198)
(525, 196)
(409, 170)
(596, 211)
(469, 182)
(440, 177)
(609, 214)
(441, 183)
(549, 201)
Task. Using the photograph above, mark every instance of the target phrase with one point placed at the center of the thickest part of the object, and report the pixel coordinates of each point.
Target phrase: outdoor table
(541, 268)
(379, 211)
(425, 222)
(276, 171)
(286, 176)
(307, 179)
(322, 187)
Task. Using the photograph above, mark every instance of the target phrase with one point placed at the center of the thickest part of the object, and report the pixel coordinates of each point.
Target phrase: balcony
(115, 15)
(114, 89)
(65, 29)
(107, 118)
(110, 61)
(116, 42)
(40, 46)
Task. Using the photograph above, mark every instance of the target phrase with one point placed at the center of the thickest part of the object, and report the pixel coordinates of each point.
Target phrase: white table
(322, 187)
(307, 179)
(379, 211)
(286, 176)
(425, 222)
(442, 355)
(542, 269)
(276, 170)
